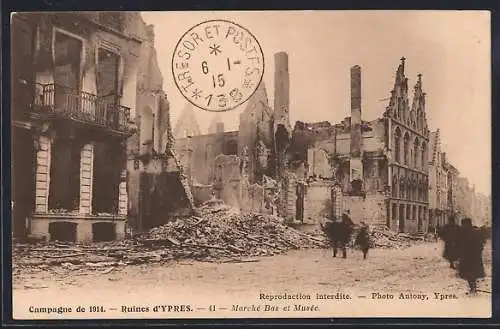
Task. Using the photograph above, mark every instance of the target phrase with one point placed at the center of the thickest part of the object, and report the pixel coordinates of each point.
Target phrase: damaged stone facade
(156, 190)
(377, 170)
(239, 166)
(90, 121)
(74, 100)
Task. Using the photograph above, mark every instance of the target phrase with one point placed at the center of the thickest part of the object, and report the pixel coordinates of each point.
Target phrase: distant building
(186, 125)
(439, 210)
(380, 166)
(378, 169)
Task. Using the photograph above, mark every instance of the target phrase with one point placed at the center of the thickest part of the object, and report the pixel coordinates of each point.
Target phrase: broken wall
(198, 154)
(256, 134)
(318, 163)
(371, 209)
(227, 179)
(201, 193)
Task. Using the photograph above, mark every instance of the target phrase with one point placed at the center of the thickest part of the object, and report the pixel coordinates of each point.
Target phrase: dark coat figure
(363, 240)
(470, 262)
(339, 234)
(449, 233)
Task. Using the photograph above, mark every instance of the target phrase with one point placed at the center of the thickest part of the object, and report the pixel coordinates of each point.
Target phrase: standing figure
(339, 233)
(363, 239)
(331, 229)
(470, 261)
(346, 227)
(449, 234)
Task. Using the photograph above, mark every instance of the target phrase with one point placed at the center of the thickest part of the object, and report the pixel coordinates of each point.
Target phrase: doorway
(420, 221)
(107, 86)
(401, 218)
(68, 55)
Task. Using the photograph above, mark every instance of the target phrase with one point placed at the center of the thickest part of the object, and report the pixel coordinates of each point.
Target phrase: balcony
(80, 106)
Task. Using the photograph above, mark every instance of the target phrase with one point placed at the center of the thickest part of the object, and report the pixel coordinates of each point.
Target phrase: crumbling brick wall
(317, 202)
(370, 209)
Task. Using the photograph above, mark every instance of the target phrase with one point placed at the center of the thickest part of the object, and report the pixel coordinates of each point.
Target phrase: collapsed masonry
(377, 170)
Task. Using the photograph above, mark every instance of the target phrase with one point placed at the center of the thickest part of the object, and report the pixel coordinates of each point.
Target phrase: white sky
(450, 48)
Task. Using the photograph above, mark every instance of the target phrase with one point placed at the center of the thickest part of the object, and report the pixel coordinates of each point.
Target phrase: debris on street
(383, 237)
(219, 234)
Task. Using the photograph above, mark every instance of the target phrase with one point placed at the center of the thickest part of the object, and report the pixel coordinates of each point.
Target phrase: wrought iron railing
(81, 106)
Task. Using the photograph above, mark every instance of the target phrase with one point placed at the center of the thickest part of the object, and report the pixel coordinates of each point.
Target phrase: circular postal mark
(217, 65)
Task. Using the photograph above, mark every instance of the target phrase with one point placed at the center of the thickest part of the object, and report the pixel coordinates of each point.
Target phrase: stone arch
(406, 148)
(423, 157)
(397, 144)
(413, 188)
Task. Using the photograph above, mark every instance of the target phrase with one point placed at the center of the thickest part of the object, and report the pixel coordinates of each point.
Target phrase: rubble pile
(383, 237)
(219, 234)
(222, 232)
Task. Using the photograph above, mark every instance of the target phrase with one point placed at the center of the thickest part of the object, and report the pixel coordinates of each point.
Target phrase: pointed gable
(398, 103)
(187, 125)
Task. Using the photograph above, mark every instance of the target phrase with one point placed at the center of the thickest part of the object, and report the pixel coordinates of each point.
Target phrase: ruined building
(83, 112)
(235, 165)
(156, 190)
(439, 195)
(187, 125)
(378, 168)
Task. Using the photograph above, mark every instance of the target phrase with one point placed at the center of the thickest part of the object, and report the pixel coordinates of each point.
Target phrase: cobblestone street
(416, 270)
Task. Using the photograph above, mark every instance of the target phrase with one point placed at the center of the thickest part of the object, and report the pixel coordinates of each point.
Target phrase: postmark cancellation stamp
(217, 65)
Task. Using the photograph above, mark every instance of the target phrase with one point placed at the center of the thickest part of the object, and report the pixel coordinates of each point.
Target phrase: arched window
(424, 155)
(402, 188)
(416, 153)
(394, 186)
(406, 150)
(397, 144)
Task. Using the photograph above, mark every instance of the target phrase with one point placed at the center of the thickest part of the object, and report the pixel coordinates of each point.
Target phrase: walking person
(331, 229)
(449, 234)
(346, 228)
(363, 239)
(470, 258)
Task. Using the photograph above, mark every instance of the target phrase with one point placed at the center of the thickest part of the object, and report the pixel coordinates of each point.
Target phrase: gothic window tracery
(416, 153)
(406, 150)
(397, 144)
(394, 186)
(423, 157)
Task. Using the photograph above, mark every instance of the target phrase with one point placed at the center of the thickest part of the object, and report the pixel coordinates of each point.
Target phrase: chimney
(281, 90)
(356, 136)
(356, 111)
